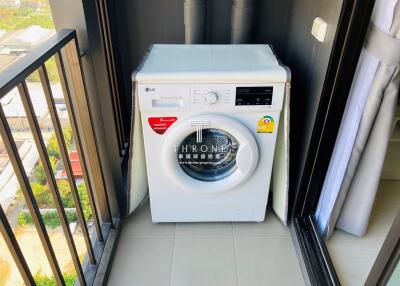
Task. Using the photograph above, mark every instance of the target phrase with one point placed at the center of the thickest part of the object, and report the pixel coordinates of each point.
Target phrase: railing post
(44, 159)
(67, 164)
(26, 189)
(14, 249)
(80, 115)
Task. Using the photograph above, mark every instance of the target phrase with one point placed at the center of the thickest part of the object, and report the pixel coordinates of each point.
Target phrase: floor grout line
(234, 254)
(173, 256)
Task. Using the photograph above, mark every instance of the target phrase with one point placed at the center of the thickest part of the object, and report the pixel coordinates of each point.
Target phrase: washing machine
(209, 118)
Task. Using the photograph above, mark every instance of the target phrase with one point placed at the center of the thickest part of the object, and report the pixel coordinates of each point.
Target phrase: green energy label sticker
(265, 124)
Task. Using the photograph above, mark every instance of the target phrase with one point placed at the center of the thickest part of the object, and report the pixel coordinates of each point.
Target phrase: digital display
(254, 95)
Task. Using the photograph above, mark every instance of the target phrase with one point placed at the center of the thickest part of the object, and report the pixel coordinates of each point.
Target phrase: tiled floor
(353, 257)
(204, 254)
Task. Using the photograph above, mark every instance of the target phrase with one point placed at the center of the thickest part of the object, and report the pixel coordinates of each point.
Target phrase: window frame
(352, 27)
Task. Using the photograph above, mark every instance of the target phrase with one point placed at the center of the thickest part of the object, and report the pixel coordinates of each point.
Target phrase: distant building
(15, 112)
(10, 3)
(22, 41)
(21, 3)
(76, 169)
(16, 44)
(75, 164)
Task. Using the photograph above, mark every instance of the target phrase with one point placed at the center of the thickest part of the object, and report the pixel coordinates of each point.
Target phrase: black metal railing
(63, 46)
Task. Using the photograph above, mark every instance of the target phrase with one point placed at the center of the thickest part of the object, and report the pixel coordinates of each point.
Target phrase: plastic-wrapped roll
(242, 21)
(194, 20)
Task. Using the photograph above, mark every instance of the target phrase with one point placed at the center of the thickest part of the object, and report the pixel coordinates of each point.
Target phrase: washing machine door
(210, 153)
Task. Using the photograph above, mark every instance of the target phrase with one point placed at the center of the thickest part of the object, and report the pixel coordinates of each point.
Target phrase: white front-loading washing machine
(209, 117)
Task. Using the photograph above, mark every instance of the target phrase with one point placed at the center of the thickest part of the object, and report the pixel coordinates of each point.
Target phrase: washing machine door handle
(244, 158)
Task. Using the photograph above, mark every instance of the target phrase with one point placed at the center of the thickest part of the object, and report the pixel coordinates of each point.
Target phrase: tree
(65, 193)
(42, 195)
(83, 196)
(39, 175)
(52, 147)
(38, 172)
(42, 280)
(67, 131)
(14, 18)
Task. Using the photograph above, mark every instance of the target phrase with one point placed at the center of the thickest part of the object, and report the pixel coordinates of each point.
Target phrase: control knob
(211, 97)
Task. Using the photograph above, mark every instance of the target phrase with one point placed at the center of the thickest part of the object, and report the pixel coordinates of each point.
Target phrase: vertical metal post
(64, 154)
(82, 104)
(23, 181)
(14, 249)
(76, 133)
(44, 158)
(104, 22)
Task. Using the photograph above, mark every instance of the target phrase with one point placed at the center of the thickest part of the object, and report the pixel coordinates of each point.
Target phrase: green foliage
(67, 199)
(14, 18)
(45, 200)
(50, 218)
(83, 195)
(39, 175)
(51, 68)
(42, 280)
(24, 219)
(67, 132)
(52, 72)
(42, 195)
(52, 147)
(65, 193)
(53, 163)
(69, 280)
(54, 156)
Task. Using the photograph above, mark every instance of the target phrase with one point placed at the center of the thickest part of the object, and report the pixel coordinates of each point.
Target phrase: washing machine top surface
(211, 64)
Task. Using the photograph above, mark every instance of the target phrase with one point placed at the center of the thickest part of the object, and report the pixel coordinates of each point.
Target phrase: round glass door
(208, 155)
(220, 157)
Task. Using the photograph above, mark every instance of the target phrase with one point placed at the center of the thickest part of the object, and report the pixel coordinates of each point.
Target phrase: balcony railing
(63, 46)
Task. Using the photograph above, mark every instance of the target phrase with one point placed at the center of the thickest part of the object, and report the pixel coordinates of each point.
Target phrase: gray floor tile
(203, 262)
(209, 229)
(271, 227)
(267, 261)
(142, 262)
(204, 254)
(139, 224)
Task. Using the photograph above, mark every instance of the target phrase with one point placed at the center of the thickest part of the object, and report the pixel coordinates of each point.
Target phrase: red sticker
(161, 124)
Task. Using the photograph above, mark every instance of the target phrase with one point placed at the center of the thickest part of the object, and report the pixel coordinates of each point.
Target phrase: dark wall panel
(141, 23)
(271, 24)
(218, 21)
(308, 60)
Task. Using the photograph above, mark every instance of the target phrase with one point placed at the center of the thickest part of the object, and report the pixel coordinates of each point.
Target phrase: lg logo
(147, 89)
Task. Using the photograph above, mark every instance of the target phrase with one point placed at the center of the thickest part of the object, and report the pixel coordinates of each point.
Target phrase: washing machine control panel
(224, 97)
(210, 97)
